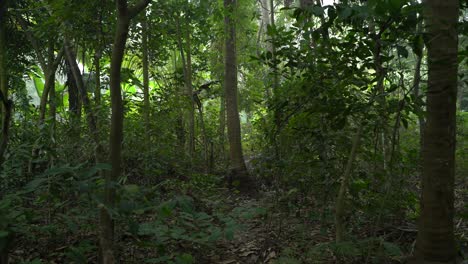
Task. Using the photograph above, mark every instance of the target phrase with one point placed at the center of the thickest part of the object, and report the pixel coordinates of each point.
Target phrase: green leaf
(163, 259)
(402, 51)
(4, 233)
(184, 259)
(34, 184)
(392, 249)
(345, 13)
(132, 188)
(318, 11)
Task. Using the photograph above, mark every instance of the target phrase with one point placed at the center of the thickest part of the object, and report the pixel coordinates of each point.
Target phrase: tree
(124, 15)
(435, 241)
(186, 57)
(238, 171)
(6, 104)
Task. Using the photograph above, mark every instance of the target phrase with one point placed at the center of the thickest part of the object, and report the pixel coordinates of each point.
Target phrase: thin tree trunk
(74, 103)
(222, 129)
(273, 52)
(341, 199)
(7, 105)
(97, 89)
(435, 240)
(187, 68)
(52, 99)
(204, 135)
(97, 64)
(3, 57)
(416, 87)
(146, 102)
(6, 109)
(90, 116)
(461, 91)
(125, 14)
(380, 75)
(49, 83)
(238, 174)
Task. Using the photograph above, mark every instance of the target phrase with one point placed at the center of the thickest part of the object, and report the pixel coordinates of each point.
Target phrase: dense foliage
(331, 100)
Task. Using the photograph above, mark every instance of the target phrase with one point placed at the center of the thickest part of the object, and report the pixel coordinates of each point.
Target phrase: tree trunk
(90, 117)
(52, 99)
(6, 108)
(49, 74)
(146, 102)
(273, 52)
(74, 103)
(237, 172)
(435, 241)
(222, 129)
(206, 157)
(341, 199)
(3, 55)
(97, 89)
(416, 87)
(380, 73)
(187, 68)
(461, 92)
(125, 14)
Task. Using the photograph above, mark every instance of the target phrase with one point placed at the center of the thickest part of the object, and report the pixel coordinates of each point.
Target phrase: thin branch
(137, 8)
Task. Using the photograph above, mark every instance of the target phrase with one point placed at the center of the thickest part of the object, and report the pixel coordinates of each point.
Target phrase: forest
(234, 131)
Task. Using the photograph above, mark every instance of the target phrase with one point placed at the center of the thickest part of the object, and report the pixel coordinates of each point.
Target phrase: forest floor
(263, 230)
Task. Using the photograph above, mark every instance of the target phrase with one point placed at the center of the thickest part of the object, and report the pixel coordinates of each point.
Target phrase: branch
(33, 41)
(3, 99)
(58, 59)
(136, 9)
(121, 5)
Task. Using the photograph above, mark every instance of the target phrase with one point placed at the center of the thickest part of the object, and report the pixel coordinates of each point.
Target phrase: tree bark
(49, 74)
(97, 89)
(146, 102)
(3, 57)
(6, 109)
(238, 174)
(380, 73)
(125, 14)
(52, 99)
(435, 240)
(416, 87)
(222, 129)
(187, 69)
(78, 78)
(341, 199)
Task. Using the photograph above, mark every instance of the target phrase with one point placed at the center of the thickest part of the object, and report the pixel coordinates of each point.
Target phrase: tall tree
(146, 101)
(435, 241)
(6, 108)
(48, 65)
(5, 103)
(124, 15)
(238, 171)
(186, 57)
